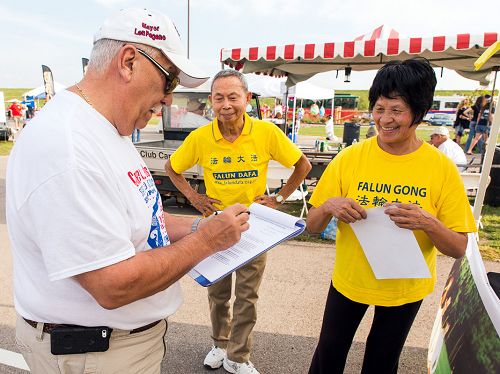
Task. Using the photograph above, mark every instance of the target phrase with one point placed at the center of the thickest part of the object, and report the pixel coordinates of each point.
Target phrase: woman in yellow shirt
(420, 189)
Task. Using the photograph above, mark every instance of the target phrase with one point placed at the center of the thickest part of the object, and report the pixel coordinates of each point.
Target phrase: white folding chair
(471, 183)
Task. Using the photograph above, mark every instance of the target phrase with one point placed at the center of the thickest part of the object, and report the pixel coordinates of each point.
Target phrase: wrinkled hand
(224, 230)
(204, 204)
(267, 200)
(409, 216)
(345, 209)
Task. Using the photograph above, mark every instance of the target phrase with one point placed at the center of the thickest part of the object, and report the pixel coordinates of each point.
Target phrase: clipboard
(268, 228)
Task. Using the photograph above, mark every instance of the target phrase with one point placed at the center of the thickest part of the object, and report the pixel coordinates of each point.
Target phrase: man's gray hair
(230, 73)
(105, 50)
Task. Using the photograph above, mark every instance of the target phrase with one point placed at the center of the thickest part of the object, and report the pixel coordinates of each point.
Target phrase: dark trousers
(385, 342)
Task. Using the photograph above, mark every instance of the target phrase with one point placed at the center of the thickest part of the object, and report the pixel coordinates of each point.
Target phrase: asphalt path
(290, 311)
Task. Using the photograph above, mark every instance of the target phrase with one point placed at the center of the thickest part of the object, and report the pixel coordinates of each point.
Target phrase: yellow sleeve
(329, 184)
(186, 155)
(282, 148)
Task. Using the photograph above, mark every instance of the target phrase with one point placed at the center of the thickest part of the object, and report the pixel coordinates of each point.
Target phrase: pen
(216, 213)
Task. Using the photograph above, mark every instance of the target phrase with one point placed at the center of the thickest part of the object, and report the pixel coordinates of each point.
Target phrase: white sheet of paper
(392, 252)
(267, 227)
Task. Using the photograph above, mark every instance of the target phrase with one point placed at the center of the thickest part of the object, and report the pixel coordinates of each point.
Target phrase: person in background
(16, 110)
(314, 110)
(234, 151)
(193, 117)
(278, 111)
(300, 114)
(371, 174)
(29, 101)
(136, 136)
(329, 129)
(440, 138)
(96, 260)
(485, 118)
(372, 130)
(473, 113)
(462, 119)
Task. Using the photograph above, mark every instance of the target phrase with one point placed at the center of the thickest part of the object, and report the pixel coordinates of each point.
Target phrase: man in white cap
(96, 261)
(440, 138)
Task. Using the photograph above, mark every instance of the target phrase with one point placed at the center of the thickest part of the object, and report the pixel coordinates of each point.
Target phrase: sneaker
(214, 358)
(237, 368)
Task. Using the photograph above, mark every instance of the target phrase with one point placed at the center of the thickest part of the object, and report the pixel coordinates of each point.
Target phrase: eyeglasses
(172, 81)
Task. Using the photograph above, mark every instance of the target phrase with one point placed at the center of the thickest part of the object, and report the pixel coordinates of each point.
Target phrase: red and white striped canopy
(381, 32)
(301, 61)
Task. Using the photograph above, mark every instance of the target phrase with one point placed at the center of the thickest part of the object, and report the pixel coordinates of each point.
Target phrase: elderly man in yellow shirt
(234, 151)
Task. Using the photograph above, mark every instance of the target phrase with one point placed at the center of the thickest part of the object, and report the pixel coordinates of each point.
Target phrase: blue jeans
(472, 133)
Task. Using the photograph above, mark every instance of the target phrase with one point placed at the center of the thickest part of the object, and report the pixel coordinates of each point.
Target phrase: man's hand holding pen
(223, 229)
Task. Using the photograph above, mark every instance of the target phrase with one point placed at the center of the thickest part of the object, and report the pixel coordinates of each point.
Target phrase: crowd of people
(477, 119)
(97, 261)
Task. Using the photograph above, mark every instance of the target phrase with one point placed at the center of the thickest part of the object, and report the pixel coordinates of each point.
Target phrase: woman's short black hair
(413, 80)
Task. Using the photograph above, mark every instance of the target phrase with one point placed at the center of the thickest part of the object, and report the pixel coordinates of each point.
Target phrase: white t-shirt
(80, 198)
(454, 152)
(329, 128)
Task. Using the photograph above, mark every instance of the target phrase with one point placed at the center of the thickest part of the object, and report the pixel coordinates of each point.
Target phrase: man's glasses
(171, 80)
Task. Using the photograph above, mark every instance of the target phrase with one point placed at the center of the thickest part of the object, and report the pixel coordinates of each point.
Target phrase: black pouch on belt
(66, 340)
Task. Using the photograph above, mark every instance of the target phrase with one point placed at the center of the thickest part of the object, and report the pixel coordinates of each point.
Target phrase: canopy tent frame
(458, 53)
(300, 62)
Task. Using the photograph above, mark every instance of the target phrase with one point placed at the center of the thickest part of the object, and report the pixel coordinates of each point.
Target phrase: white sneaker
(214, 358)
(237, 368)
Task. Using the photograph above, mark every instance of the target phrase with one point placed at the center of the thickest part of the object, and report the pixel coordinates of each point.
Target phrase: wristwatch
(280, 199)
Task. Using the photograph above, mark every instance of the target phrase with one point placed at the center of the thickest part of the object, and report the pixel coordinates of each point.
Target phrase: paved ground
(291, 305)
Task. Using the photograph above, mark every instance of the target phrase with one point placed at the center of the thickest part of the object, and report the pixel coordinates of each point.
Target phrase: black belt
(48, 327)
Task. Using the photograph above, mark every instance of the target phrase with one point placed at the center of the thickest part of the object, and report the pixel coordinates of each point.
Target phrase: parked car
(441, 119)
(5, 132)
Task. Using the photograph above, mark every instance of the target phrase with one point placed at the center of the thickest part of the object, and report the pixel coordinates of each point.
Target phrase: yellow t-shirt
(235, 172)
(372, 177)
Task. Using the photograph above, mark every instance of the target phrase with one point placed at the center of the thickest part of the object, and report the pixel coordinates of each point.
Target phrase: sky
(59, 33)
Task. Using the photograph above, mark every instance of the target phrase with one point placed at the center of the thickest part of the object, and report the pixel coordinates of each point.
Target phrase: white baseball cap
(440, 130)
(152, 28)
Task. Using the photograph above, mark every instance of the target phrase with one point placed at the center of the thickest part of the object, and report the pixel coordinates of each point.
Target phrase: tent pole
(488, 158)
(333, 117)
(293, 117)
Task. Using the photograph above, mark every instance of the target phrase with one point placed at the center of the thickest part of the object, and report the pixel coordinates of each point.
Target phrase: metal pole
(166, 114)
(293, 117)
(188, 32)
(488, 158)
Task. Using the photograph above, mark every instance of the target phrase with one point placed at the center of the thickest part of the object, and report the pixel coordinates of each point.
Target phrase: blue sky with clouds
(59, 33)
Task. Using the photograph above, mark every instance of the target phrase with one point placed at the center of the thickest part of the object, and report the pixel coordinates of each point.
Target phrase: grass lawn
(14, 93)
(423, 131)
(489, 237)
